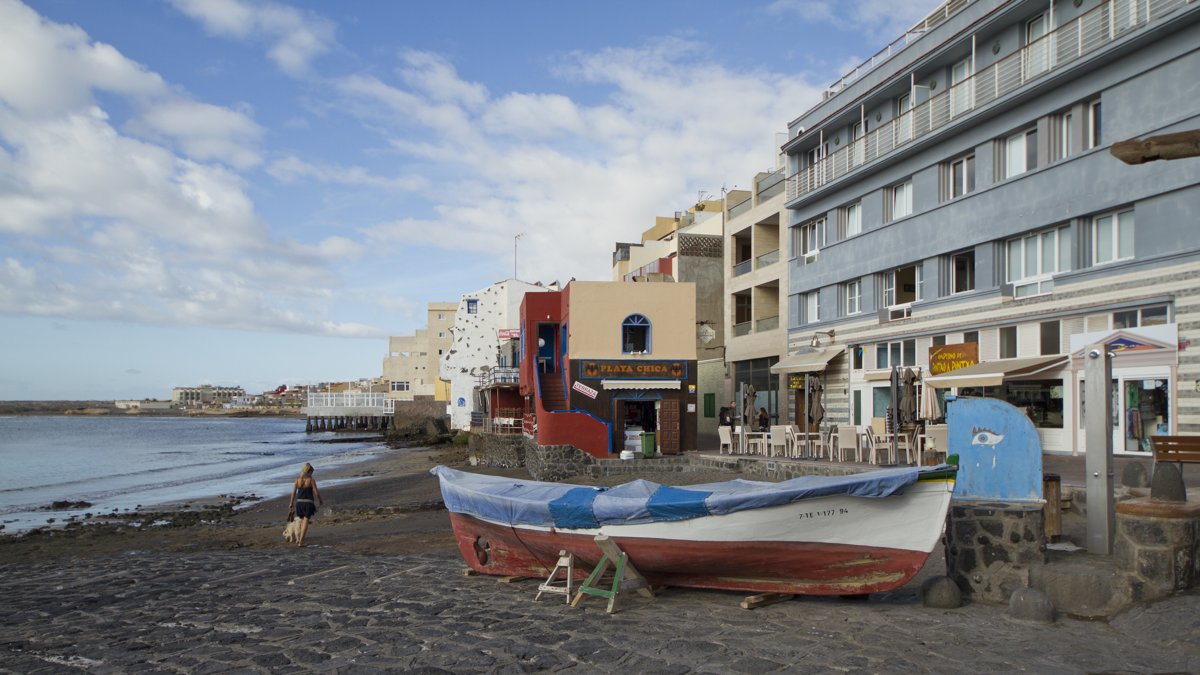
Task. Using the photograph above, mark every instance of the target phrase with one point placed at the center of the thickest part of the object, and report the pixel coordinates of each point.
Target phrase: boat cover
(566, 506)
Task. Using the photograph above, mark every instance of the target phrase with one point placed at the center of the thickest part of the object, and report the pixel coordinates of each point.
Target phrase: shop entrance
(631, 417)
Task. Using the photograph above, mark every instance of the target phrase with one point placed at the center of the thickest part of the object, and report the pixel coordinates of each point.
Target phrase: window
(851, 220)
(441, 316)
(939, 340)
(808, 239)
(1150, 316)
(1112, 237)
(853, 295)
(901, 353)
(858, 154)
(472, 306)
(635, 335)
(900, 204)
(904, 127)
(961, 87)
(1050, 338)
(1091, 136)
(1020, 153)
(1064, 135)
(441, 333)
(812, 307)
(710, 405)
(961, 176)
(857, 357)
(971, 336)
(1037, 54)
(1008, 342)
(1034, 258)
(902, 286)
(399, 386)
(962, 272)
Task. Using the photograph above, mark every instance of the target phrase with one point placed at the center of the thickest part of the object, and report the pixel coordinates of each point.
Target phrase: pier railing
(348, 400)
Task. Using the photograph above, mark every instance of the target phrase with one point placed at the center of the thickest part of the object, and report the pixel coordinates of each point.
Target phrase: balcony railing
(740, 208)
(743, 328)
(743, 267)
(499, 377)
(768, 258)
(766, 323)
(1069, 42)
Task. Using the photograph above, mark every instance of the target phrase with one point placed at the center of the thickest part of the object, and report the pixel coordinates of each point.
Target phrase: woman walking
(304, 491)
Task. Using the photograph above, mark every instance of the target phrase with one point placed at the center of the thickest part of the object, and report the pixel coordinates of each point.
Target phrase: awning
(807, 362)
(995, 373)
(640, 384)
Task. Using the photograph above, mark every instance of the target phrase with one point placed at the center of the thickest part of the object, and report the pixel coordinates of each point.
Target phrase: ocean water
(122, 462)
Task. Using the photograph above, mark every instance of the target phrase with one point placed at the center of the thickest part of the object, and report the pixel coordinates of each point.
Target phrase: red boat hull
(753, 566)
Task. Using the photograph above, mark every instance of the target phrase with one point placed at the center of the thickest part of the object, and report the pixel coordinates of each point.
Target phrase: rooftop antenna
(515, 238)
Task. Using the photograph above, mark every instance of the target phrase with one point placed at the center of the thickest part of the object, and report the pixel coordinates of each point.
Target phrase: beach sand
(393, 506)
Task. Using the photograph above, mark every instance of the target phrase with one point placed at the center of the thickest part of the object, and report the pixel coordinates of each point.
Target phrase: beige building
(410, 369)
(756, 285)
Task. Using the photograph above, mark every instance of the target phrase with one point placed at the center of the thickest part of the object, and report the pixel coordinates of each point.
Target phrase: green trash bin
(648, 443)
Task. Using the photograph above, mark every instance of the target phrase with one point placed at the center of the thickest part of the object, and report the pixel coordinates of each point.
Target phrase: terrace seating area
(918, 444)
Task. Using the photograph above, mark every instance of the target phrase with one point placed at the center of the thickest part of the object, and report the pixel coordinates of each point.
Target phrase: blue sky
(259, 193)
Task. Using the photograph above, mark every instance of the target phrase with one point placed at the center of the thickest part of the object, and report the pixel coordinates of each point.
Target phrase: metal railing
(499, 376)
(938, 15)
(1069, 42)
(347, 400)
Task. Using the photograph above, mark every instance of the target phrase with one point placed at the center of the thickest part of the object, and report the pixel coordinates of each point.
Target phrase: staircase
(552, 391)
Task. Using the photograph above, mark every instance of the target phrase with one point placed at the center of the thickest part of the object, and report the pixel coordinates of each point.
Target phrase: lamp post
(515, 238)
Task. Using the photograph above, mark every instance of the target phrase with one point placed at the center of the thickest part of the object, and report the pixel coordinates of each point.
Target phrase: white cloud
(296, 38)
(149, 220)
(291, 168)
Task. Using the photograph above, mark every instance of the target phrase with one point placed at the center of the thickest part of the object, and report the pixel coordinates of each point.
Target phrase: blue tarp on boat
(566, 506)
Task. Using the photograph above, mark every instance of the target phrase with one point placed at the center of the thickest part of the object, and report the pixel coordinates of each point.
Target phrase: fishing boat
(813, 535)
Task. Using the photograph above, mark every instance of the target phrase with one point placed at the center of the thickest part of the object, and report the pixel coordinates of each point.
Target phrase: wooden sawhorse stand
(625, 575)
(566, 563)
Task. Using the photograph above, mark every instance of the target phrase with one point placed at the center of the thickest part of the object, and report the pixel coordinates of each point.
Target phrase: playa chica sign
(592, 369)
(948, 358)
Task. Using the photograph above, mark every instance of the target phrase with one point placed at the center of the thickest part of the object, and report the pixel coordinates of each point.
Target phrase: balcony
(1054, 51)
(768, 258)
(740, 329)
(499, 377)
(766, 323)
(744, 267)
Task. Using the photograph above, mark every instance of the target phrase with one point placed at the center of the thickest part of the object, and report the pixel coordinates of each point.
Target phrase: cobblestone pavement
(320, 610)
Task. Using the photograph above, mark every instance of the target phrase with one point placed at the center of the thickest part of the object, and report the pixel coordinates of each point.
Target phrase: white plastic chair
(778, 441)
(846, 441)
(726, 440)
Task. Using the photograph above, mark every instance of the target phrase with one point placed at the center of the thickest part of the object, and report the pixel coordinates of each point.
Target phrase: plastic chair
(726, 440)
(846, 440)
(778, 441)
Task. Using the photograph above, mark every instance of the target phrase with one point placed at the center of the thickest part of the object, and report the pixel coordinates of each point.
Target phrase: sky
(246, 193)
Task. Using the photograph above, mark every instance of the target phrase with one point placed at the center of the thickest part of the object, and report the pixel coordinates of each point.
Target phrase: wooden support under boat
(511, 579)
(625, 576)
(764, 599)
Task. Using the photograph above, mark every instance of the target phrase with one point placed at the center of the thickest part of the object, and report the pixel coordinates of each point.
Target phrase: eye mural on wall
(982, 436)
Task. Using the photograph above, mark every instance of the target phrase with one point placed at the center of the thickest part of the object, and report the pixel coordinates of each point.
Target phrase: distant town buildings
(204, 395)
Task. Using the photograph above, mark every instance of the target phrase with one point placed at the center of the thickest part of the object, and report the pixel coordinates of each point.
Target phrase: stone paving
(316, 609)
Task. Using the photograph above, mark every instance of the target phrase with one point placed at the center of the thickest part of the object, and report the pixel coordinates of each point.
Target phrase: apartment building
(959, 194)
(687, 247)
(411, 368)
(756, 266)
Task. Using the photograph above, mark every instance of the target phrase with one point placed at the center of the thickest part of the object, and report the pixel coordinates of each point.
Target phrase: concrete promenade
(316, 609)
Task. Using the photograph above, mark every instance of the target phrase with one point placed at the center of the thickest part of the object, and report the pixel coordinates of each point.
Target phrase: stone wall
(504, 451)
(1157, 547)
(991, 547)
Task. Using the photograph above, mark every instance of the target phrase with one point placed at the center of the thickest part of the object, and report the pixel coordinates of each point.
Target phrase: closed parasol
(816, 409)
(908, 397)
(930, 407)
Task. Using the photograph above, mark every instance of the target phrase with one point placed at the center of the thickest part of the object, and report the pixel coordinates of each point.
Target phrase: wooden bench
(1176, 449)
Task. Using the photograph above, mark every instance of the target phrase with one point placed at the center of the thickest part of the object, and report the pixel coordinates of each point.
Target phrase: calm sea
(121, 462)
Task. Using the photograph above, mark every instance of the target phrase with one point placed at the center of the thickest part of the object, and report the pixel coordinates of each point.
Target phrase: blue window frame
(635, 335)
(472, 306)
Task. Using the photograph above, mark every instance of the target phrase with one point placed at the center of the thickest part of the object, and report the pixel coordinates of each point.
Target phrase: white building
(478, 322)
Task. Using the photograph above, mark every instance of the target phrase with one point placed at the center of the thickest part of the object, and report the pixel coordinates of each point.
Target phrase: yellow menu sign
(947, 358)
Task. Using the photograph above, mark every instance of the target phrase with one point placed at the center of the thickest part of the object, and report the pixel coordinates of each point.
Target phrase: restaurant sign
(948, 358)
(591, 369)
(509, 333)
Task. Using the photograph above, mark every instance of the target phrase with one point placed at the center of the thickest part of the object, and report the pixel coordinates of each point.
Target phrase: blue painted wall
(999, 451)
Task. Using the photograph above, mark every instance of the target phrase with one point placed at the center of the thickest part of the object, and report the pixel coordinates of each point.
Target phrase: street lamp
(515, 238)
